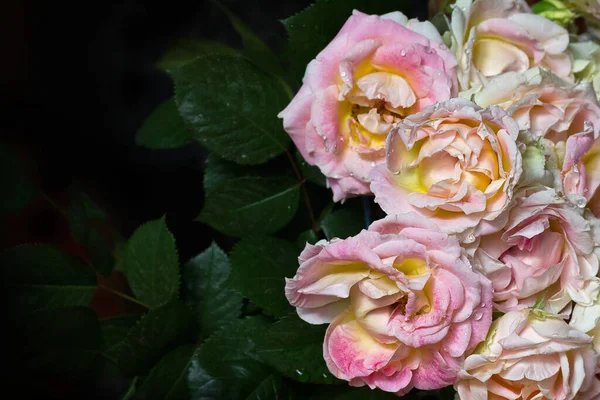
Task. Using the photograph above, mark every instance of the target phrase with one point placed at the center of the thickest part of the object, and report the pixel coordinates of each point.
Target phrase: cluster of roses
(486, 157)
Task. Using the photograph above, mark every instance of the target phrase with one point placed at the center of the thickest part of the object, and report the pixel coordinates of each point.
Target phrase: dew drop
(581, 202)
(343, 74)
(477, 315)
(302, 375)
(402, 53)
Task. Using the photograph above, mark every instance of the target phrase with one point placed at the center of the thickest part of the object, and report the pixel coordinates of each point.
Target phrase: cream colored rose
(560, 119)
(587, 319)
(491, 37)
(529, 356)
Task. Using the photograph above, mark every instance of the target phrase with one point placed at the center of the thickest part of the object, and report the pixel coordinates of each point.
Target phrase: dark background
(78, 79)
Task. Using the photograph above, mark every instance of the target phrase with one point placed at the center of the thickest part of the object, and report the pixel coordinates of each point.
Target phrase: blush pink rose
(455, 164)
(491, 37)
(593, 392)
(403, 303)
(547, 249)
(561, 118)
(529, 356)
(377, 70)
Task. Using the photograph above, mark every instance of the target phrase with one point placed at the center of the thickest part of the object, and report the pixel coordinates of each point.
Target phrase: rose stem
(301, 180)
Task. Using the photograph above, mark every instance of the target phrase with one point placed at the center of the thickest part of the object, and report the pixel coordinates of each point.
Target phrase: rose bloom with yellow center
(377, 70)
(453, 163)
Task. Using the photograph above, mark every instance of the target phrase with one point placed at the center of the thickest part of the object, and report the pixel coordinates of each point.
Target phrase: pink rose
(403, 303)
(377, 70)
(527, 356)
(566, 116)
(491, 37)
(593, 392)
(547, 248)
(454, 163)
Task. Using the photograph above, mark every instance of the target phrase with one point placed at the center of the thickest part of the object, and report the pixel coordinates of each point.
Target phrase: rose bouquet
(480, 143)
(389, 206)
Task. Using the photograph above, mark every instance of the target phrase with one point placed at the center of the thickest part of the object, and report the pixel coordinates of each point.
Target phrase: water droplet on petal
(402, 53)
(581, 202)
(302, 375)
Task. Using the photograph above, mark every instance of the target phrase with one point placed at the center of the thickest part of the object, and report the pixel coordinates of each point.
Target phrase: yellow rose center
(377, 100)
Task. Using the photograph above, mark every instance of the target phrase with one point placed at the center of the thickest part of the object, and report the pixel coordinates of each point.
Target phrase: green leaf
(259, 266)
(312, 173)
(295, 349)
(168, 379)
(251, 205)
(115, 331)
(367, 393)
(323, 392)
(447, 393)
(206, 291)
(343, 223)
(186, 50)
(17, 190)
(440, 21)
(254, 48)
(83, 216)
(164, 128)
(305, 237)
(39, 277)
(225, 366)
(540, 303)
(232, 106)
(218, 172)
(60, 340)
(312, 29)
(555, 10)
(130, 393)
(81, 211)
(156, 333)
(268, 389)
(151, 264)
